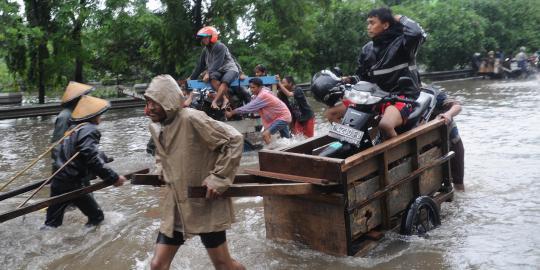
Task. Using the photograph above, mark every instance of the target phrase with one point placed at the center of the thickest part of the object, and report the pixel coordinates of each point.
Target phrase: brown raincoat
(192, 147)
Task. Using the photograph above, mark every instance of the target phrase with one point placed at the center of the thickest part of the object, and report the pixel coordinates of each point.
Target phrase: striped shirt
(269, 107)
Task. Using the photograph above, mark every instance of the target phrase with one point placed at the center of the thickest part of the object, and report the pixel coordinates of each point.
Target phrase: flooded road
(493, 225)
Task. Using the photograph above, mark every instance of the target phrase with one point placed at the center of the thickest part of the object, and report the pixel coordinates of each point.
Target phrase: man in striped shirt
(274, 113)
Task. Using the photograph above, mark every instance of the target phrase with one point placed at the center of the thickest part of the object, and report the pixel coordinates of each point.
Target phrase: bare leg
(267, 137)
(163, 256)
(222, 259)
(334, 114)
(390, 120)
(222, 93)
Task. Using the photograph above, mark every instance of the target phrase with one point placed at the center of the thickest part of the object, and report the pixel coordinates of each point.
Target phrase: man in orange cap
(222, 69)
(82, 142)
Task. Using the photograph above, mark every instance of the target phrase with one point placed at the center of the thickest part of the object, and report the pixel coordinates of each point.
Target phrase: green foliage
(123, 41)
(451, 28)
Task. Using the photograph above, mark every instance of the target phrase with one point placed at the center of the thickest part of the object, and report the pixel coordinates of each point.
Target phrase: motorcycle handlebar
(398, 99)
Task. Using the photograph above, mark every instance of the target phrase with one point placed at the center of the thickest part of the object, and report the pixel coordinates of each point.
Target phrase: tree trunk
(76, 37)
(197, 15)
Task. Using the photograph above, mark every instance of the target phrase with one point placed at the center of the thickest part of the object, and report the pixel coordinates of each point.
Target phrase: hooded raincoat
(192, 147)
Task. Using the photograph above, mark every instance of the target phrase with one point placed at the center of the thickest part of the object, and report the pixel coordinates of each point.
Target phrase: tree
(38, 16)
(12, 38)
(451, 27)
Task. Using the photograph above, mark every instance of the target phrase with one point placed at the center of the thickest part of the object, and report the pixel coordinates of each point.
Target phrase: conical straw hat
(75, 90)
(88, 107)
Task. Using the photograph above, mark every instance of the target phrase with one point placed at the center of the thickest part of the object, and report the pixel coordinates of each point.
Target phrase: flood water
(493, 225)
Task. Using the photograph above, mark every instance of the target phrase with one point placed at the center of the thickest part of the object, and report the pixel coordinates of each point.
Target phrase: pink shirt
(269, 107)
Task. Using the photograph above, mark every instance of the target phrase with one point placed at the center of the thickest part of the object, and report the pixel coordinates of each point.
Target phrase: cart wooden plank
(391, 143)
(21, 190)
(59, 199)
(250, 190)
(287, 177)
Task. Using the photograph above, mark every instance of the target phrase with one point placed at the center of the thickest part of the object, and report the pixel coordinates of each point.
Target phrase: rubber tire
(411, 216)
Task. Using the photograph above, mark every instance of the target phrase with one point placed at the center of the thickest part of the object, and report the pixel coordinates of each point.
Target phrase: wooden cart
(343, 206)
(374, 189)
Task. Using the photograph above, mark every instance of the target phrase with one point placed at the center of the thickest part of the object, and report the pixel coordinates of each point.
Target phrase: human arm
(88, 148)
(201, 66)
(413, 32)
(188, 100)
(449, 106)
(227, 143)
(282, 88)
(253, 106)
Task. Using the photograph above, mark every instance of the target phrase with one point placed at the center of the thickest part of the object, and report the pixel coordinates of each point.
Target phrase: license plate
(346, 133)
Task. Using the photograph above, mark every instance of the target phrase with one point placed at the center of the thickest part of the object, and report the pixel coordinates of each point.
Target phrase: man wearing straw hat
(192, 149)
(77, 157)
(71, 96)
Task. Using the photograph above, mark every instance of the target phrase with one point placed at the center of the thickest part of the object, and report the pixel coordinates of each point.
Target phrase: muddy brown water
(493, 225)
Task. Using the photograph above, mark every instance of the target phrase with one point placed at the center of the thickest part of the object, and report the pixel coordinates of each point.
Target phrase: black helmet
(325, 86)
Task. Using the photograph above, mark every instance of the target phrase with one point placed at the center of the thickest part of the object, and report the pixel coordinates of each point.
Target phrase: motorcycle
(358, 128)
(202, 100)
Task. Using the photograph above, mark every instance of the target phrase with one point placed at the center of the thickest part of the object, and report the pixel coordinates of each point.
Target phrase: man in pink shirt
(274, 113)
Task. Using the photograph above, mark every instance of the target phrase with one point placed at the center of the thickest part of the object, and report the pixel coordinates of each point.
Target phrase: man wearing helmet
(390, 54)
(220, 65)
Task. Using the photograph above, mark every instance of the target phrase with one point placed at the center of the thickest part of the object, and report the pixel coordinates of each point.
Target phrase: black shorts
(209, 240)
(225, 77)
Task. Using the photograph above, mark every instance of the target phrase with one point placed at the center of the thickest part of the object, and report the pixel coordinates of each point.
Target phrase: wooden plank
(360, 191)
(300, 165)
(410, 177)
(153, 180)
(58, 199)
(371, 165)
(400, 151)
(318, 225)
(430, 180)
(362, 170)
(383, 182)
(430, 138)
(307, 146)
(369, 217)
(377, 149)
(21, 190)
(250, 190)
(287, 177)
(147, 179)
(364, 219)
(267, 80)
(397, 199)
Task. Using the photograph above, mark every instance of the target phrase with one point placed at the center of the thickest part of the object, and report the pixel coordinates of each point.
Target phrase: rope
(48, 179)
(41, 156)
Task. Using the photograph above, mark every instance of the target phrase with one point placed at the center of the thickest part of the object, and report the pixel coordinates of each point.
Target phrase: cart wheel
(421, 216)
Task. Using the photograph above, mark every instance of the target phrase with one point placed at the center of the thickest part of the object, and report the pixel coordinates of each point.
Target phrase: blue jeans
(282, 127)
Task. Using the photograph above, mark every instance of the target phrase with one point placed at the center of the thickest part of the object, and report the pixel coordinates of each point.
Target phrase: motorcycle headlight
(360, 97)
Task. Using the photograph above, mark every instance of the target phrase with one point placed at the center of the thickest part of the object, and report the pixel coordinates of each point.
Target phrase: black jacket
(89, 161)
(392, 55)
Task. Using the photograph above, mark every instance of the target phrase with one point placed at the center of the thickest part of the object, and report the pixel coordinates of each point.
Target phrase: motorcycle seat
(423, 101)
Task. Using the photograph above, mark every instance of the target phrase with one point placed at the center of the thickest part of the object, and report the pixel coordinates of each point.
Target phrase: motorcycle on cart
(358, 128)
